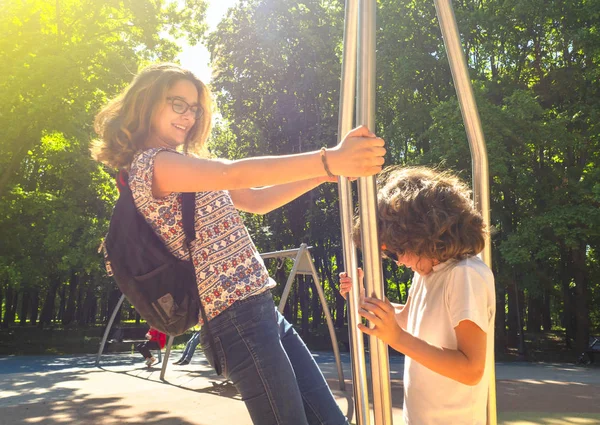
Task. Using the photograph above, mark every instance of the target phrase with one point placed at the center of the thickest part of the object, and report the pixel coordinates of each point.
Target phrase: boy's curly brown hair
(427, 213)
(124, 123)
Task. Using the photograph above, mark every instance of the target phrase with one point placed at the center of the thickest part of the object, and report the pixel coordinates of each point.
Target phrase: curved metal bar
(334, 341)
(278, 254)
(345, 124)
(481, 178)
(288, 285)
(302, 254)
(108, 327)
(163, 369)
(380, 367)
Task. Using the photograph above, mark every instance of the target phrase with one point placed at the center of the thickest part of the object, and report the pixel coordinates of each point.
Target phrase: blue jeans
(269, 364)
(190, 347)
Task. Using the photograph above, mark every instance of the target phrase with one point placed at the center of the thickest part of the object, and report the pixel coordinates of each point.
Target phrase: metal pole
(346, 105)
(279, 254)
(108, 326)
(481, 178)
(163, 369)
(334, 343)
(380, 367)
(308, 268)
(288, 284)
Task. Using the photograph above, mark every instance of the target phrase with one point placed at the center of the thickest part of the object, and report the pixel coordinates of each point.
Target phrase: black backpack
(161, 287)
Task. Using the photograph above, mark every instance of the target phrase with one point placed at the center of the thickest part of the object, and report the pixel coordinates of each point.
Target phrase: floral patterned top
(227, 264)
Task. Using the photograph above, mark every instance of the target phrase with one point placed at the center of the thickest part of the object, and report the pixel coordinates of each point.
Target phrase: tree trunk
(7, 307)
(79, 307)
(546, 313)
(93, 309)
(326, 273)
(89, 306)
(568, 321)
(522, 349)
(12, 299)
(582, 309)
(13, 311)
(316, 307)
(294, 303)
(69, 316)
(512, 319)
(500, 325)
(35, 306)
(534, 323)
(24, 308)
(1, 299)
(63, 303)
(48, 307)
(304, 306)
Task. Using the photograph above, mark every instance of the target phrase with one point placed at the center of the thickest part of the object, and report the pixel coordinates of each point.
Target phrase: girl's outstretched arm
(266, 199)
(359, 154)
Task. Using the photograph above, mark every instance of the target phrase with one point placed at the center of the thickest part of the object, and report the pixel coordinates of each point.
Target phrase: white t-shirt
(454, 291)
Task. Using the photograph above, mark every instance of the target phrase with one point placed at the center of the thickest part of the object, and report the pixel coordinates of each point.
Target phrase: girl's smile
(175, 116)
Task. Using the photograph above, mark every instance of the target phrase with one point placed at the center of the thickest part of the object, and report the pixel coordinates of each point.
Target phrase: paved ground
(52, 390)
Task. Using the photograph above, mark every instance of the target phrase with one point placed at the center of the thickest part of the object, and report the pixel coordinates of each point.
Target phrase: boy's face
(170, 127)
(421, 265)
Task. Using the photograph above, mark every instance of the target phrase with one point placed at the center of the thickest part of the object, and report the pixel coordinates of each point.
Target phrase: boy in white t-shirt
(426, 221)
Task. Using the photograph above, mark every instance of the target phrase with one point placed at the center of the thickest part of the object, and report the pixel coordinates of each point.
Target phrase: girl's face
(421, 265)
(175, 116)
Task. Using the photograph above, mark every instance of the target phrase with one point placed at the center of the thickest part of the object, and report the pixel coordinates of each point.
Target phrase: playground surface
(52, 390)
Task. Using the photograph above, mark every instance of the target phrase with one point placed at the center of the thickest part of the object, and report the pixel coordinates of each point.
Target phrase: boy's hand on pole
(346, 283)
(382, 317)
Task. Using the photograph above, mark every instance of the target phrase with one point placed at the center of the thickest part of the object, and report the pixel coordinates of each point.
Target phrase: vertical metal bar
(334, 342)
(108, 327)
(288, 284)
(345, 124)
(380, 367)
(481, 178)
(163, 369)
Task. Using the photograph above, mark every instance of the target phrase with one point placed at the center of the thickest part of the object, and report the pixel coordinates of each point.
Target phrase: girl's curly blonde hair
(427, 213)
(123, 125)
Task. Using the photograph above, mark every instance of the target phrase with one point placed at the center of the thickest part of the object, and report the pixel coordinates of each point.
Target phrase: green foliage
(534, 67)
(61, 62)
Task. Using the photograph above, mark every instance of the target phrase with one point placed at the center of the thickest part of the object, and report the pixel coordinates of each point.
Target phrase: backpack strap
(188, 210)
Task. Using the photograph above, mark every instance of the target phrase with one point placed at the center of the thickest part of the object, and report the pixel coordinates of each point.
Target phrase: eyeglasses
(180, 106)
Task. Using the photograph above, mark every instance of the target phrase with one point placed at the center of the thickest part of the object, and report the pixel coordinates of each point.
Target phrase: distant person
(189, 350)
(156, 340)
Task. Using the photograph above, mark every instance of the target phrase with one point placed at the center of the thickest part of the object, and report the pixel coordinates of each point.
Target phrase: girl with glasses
(156, 128)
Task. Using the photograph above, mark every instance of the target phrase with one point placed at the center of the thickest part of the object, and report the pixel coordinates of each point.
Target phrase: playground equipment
(358, 79)
(358, 71)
